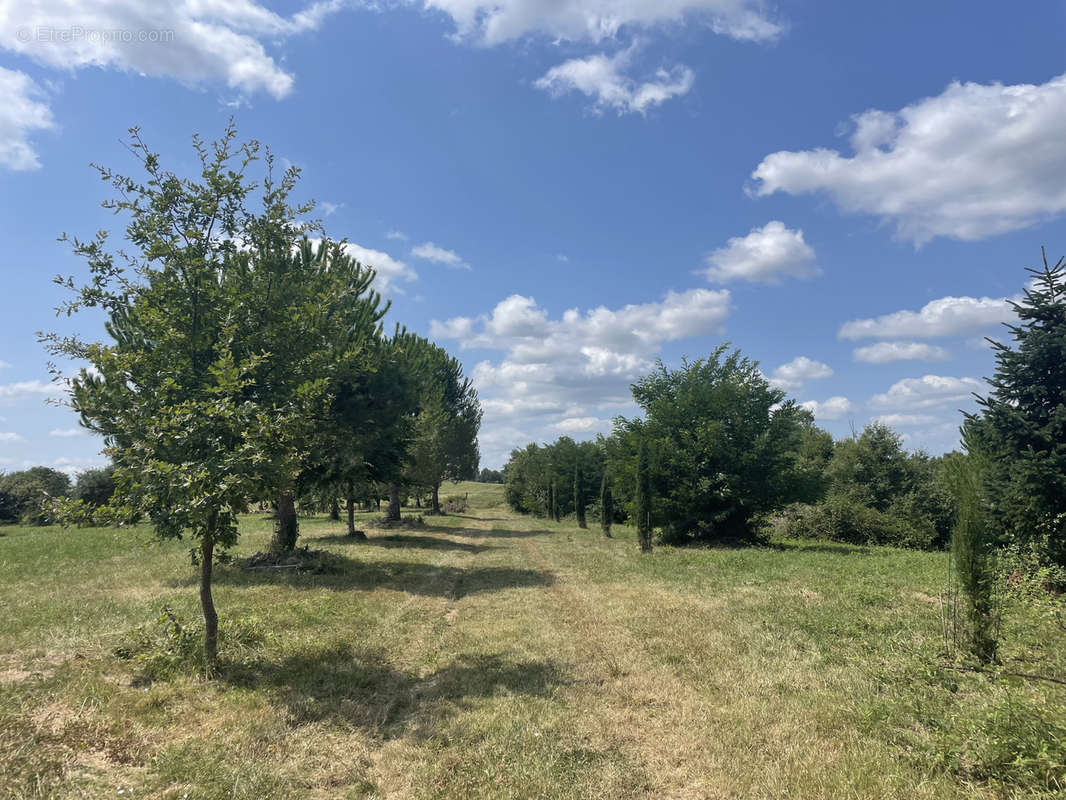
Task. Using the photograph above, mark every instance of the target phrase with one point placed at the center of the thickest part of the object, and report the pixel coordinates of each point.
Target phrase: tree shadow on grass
(405, 540)
(482, 533)
(413, 577)
(338, 684)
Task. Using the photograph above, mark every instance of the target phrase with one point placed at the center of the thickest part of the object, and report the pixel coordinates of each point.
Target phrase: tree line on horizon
(721, 457)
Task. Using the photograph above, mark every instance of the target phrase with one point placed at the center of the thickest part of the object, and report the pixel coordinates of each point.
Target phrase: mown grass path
(485, 655)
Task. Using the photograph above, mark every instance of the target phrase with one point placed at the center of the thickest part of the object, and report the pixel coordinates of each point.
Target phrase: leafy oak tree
(176, 389)
(723, 446)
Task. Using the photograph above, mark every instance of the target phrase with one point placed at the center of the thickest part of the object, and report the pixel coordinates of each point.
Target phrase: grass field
(489, 655)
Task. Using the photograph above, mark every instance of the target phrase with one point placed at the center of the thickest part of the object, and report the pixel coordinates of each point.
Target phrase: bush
(456, 504)
(170, 645)
(94, 487)
(28, 495)
(844, 519)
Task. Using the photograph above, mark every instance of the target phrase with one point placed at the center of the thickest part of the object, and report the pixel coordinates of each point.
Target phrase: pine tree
(606, 506)
(1021, 425)
(579, 499)
(643, 498)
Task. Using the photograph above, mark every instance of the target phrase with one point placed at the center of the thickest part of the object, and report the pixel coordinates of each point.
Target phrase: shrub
(171, 645)
(29, 494)
(844, 519)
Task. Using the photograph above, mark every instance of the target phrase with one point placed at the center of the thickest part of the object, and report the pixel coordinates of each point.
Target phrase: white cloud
(766, 255)
(66, 433)
(7, 436)
(884, 352)
(431, 252)
(833, 408)
(906, 420)
(552, 370)
(582, 425)
(329, 209)
(13, 391)
(192, 41)
(946, 316)
(927, 392)
(390, 271)
(974, 161)
(398, 235)
(790, 376)
(602, 77)
(22, 112)
(491, 22)
(4, 365)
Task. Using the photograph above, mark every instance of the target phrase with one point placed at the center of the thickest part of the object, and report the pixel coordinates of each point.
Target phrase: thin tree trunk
(287, 527)
(207, 602)
(334, 509)
(436, 498)
(606, 507)
(394, 502)
(351, 514)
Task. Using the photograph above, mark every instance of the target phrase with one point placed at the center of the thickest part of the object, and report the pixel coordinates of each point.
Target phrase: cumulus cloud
(927, 392)
(602, 78)
(974, 161)
(906, 420)
(7, 436)
(192, 41)
(885, 352)
(493, 22)
(66, 433)
(559, 369)
(766, 255)
(946, 316)
(21, 389)
(23, 111)
(390, 271)
(571, 425)
(791, 376)
(833, 408)
(431, 252)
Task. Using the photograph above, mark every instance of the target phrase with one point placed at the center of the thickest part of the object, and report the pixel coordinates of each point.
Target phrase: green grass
(493, 656)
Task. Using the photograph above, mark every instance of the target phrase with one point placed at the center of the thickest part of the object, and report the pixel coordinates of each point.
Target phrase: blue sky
(561, 191)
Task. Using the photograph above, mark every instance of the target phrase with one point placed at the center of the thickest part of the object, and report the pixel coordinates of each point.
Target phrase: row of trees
(246, 361)
(28, 496)
(718, 449)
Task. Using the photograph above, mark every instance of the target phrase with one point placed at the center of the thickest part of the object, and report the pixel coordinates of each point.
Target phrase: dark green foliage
(579, 499)
(1021, 424)
(880, 494)
(841, 518)
(642, 497)
(490, 476)
(724, 448)
(606, 506)
(26, 496)
(94, 487)
(972, 553)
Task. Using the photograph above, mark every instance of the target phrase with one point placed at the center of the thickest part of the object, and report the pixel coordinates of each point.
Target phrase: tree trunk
(351, 514)
(606, 507)
(394, 502)
(418, 499)
(207, 602)
(643, 499)
(436, 498)
(286, 527)
(579, 500)
(334, 509)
